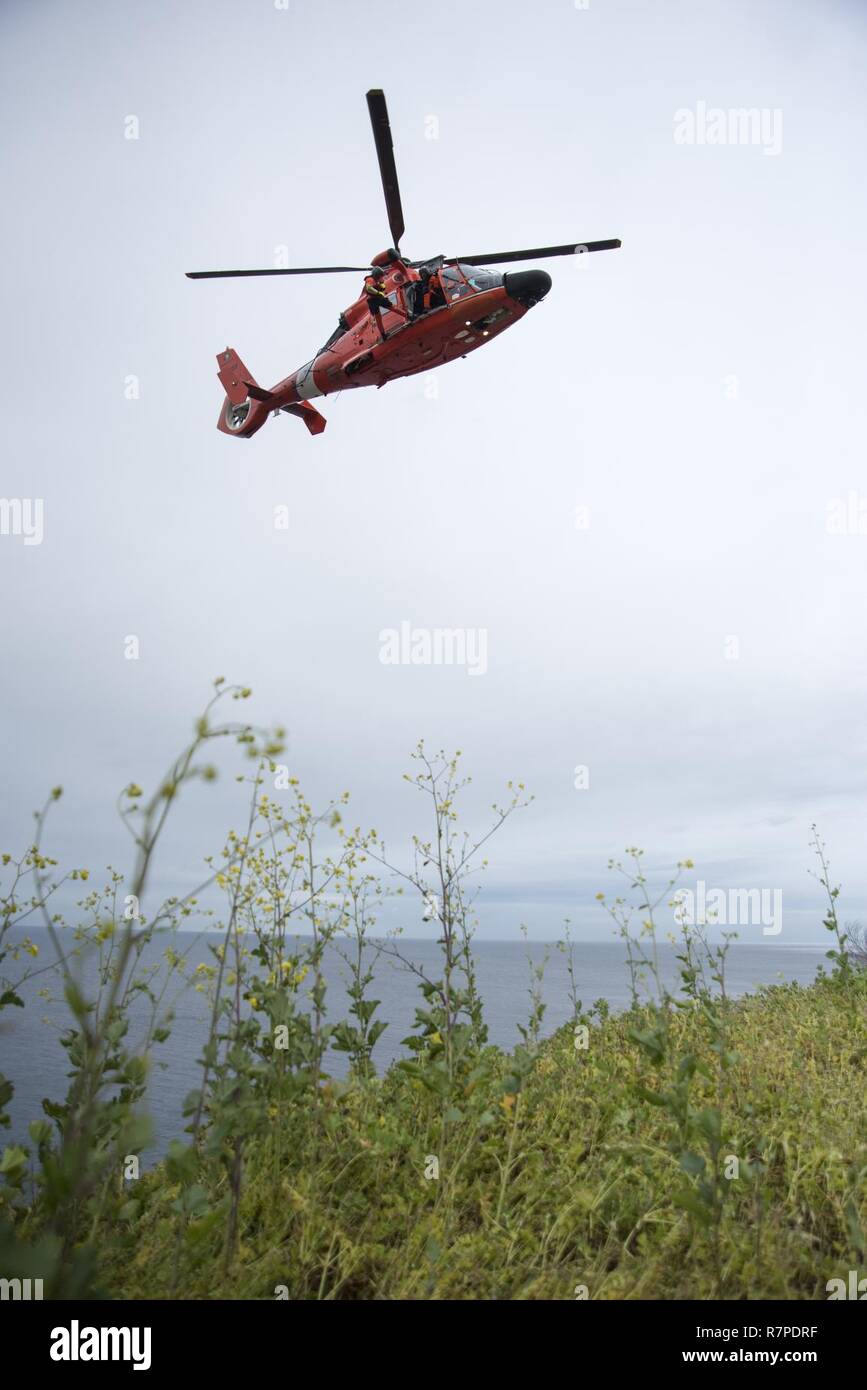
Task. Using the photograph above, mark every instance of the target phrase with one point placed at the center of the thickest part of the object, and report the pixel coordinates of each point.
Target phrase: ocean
(32, 1058)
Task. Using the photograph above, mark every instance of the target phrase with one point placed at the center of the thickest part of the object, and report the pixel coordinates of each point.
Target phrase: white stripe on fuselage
(304, 383)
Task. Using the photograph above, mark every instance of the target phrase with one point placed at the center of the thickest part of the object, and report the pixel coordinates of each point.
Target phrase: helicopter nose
(527, 286)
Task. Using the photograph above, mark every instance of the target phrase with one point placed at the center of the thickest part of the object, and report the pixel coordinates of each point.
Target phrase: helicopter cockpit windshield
(481, 279)
(458, 281)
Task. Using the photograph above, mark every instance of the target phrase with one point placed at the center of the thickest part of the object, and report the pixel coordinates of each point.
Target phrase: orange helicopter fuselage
(372, 349)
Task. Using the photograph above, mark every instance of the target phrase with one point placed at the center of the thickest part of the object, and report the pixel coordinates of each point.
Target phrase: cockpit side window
(454, 283)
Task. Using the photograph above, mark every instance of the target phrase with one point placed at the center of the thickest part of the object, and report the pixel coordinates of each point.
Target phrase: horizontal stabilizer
(309, 414)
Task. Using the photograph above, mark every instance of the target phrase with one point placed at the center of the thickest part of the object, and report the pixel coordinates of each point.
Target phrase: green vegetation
(691, 1147)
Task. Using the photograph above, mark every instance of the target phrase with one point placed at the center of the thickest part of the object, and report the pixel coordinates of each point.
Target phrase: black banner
(63, 1339)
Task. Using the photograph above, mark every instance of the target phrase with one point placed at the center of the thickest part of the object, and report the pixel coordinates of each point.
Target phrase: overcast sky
(699, 392)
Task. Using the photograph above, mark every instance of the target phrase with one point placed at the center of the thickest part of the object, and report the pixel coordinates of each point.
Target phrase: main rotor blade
(385, 153)
(537, 254)
(305, 270)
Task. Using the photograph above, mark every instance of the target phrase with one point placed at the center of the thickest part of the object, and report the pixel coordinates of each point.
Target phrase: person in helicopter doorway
(378, 301)
(427, 291)
(433, 292)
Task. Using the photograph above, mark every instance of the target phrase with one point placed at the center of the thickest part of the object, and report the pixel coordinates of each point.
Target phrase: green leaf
(137, 1133)
(193, 1201)
(40, 1131)
(710, 1124)
(692, 1163)
(686, 1067)
(182, 1161)
(200, 1228)
(652, 1097)
(13, 1163)
(689, 1201)
(191, 1102)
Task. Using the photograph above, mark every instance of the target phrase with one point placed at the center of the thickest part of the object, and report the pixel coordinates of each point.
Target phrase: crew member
(377, 299)
(417, 293)
(433, 294)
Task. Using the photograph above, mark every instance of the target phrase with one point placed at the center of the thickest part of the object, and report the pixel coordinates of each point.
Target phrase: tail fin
(245, 408)
(238, 381)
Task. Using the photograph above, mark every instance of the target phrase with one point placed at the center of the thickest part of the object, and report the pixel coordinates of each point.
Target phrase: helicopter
(428, 312)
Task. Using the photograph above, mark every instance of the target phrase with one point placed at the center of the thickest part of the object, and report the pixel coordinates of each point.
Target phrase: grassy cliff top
(730, 1164)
